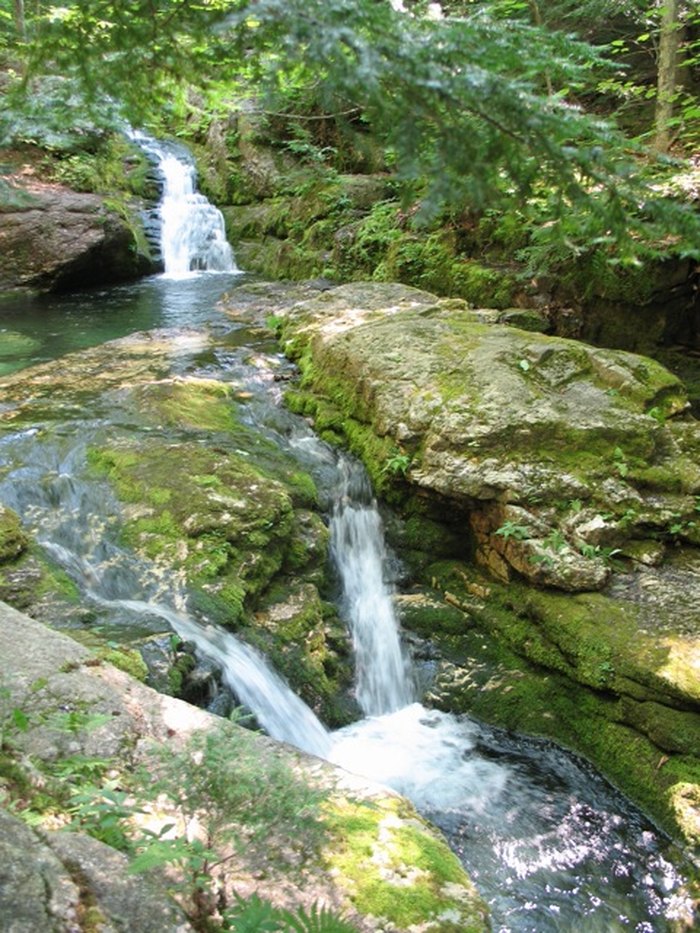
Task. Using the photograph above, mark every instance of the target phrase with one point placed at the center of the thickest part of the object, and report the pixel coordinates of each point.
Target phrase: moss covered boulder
(569, 475)
(555, 452)
(234, 534)
(213, 506)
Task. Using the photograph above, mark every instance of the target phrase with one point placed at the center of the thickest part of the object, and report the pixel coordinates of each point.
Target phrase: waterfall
(192, 231)
(71, 516)
(357, 541)
(247, 674)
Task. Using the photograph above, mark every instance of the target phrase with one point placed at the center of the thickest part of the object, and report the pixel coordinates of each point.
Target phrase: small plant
(103, 811)
(595, 552)
(628, 517)
(556, 541)
(230, 795)
(542, 558)
(589, 551)
(679, 526)
(658, 414)
(620, 464)
(511, 529)
(254, 915)
(397, 464)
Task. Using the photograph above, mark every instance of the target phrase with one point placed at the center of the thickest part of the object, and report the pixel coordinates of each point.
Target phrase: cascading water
(67, 512)
(192, 230)
(382, 671)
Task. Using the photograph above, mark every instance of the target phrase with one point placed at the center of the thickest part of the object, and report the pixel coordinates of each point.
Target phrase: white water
(193, 236)
(192, 230)
(424, 754)
(357, 540)
(247, 674)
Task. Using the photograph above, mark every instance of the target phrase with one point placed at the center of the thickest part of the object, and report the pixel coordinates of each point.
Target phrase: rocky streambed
(551, 492)
(545, 500)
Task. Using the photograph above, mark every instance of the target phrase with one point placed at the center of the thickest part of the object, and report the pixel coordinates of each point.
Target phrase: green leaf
(20, 719)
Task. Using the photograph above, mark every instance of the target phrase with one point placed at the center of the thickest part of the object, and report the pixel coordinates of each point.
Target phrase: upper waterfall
(192, 230)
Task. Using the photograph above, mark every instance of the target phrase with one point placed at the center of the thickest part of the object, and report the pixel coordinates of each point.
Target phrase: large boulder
(55, 239)
(565, 478)
(65, 881)
(554, 453)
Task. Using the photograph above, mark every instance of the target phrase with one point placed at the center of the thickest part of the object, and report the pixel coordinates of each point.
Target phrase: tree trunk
(667, 73)
(536, 16)
(20, 21)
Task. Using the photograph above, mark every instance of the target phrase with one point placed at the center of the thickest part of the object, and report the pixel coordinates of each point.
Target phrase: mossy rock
(492, 417)
(13, 539)
(396, 870)
(210, 514)
(33, 584)
(128, 660)
(15, 344)
(309, 645)
(281, 258)
(196, 404)
(579, 670)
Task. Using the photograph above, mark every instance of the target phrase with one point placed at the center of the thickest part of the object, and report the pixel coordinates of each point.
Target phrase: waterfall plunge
(193, 237)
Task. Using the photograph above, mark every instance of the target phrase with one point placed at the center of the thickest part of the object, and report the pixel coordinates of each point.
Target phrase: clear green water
(34, 330)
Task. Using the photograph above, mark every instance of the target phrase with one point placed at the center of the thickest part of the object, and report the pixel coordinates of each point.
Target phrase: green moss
(114, 167)
(200, 404)
(213, 515)
(13, 538)
(126, 659)
(56, 582)
(397, 870)
(483, 286)
(577, 670)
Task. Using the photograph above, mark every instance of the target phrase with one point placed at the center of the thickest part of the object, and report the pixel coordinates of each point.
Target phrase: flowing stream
(551, 846)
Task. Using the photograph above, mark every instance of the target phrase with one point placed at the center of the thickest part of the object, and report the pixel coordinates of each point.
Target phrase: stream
(550, 845)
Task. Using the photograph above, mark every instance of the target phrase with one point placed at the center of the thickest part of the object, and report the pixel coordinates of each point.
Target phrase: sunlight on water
(423, 754)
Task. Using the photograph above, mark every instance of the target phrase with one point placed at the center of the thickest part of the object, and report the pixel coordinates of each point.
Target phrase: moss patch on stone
(128, 660)
(229, 537)
(395, 868)
(13, 538)
(249, 551)
(200, 404)
(592, 689)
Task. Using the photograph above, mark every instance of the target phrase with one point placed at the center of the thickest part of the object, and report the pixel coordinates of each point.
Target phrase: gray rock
(125, 903)
(37, 894)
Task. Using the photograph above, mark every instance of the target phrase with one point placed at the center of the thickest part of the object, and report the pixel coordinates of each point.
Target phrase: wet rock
(614, 675)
